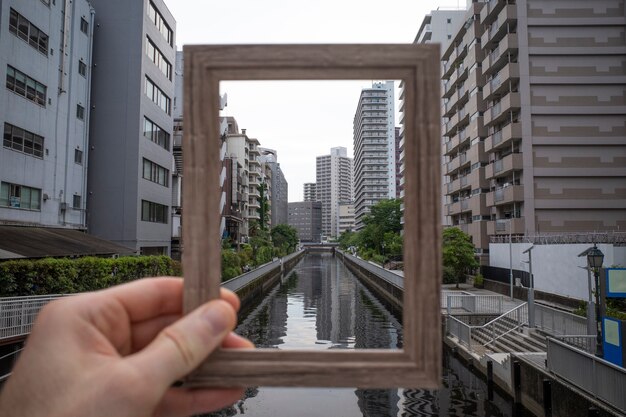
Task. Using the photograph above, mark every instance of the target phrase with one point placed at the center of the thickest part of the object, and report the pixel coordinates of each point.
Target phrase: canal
(322, 305)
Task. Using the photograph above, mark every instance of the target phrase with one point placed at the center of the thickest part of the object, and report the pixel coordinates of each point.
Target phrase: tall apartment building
(306, 218)
(439, 26)
(374, 148)
(345, 217)
(310, 191)
(535, 119)
(130, 195)
(46, 52)
(279, 187)
(333, 185)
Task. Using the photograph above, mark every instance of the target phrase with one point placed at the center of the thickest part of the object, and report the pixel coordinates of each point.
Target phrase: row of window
(19, 196)
(160, 23)
(156, 134)
(153, 212)
(155, 173)
(22, 141)
(24, 29)
(158, 59)
(158, 97)
(22, 84)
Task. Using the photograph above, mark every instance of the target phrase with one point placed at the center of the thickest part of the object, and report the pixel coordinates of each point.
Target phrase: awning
(41, 242)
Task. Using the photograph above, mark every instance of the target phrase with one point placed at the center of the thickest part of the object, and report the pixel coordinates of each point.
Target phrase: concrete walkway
(507, 303)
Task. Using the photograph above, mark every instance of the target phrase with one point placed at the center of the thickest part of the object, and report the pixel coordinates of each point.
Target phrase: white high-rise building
(374, 148)
(333, 185)
(46, 52)
(310, 193)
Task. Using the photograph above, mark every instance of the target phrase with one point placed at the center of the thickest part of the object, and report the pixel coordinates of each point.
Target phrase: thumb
(182, 346)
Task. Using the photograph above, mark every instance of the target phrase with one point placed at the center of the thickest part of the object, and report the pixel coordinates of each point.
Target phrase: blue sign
(615, 282)
(613, 343)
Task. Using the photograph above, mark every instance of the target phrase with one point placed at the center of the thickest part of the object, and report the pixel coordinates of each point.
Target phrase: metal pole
(531, 291)
(599, 351)
(591, 308)
(510, 259)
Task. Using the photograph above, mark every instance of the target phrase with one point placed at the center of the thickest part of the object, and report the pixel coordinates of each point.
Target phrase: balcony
(502, 226)
(499, 56)
(476, 128)
(454, 208)
(489, 12)
(452, 144)
(453, 187)
(475, 204)
(449, 128)
(511, 162)
(502, 138)
(475, 179)
(505, 195)
(500, 111)
(475, 79)
(476, 153)
(504, 22)
(499, 84)
(476, 103)
(452, 166)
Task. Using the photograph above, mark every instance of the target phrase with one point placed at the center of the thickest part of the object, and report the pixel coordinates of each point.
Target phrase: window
(449, 20)
(155, 173)
(157, 96)
(82, 68)
(156, 134)
(23, 29)
(153, 212)
(159, 22)
(21, 84)
(19, 196)
(158, 59)
(78, 156)
(80, 112)
(22, 141)
(84, 25)
(76, 202)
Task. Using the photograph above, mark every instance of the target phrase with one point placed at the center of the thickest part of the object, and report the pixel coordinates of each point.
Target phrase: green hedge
(66, 276)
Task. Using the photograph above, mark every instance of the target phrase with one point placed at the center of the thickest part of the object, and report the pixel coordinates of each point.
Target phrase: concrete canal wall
(254, 284)
(384, 283)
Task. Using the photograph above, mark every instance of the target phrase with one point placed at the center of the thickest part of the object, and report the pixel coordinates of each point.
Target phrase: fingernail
(218, 318)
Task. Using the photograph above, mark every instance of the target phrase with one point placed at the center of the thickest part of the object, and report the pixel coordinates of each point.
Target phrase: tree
(458, 254)
(382, 229)
(265, 206)
(285, 237)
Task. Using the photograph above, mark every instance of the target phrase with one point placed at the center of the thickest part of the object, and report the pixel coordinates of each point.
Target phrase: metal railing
(242, 280)
(601, 379)
(491, 331)
(586, 342)
(477, 304)
(559, 322)
(17, 314)
(611, 237)
(384, 274)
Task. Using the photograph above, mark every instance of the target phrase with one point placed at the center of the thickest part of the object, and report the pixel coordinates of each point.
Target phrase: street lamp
(595, 257)
(531, 289)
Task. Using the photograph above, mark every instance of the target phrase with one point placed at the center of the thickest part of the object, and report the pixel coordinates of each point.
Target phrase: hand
(117, 352)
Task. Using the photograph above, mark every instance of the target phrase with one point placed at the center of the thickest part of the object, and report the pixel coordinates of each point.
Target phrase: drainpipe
(84, 191)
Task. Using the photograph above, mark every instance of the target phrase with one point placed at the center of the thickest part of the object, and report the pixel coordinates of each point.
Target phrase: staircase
(513, 341)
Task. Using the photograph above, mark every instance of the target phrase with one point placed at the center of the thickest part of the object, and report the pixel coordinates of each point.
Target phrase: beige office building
(535, 119)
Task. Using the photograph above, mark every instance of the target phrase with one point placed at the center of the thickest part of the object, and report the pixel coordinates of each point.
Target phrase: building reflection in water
(321, 305)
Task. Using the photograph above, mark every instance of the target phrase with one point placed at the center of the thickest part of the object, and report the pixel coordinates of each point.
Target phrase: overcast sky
(301, 120)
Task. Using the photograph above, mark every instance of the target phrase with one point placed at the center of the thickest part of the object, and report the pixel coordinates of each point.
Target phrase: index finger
(152, 297)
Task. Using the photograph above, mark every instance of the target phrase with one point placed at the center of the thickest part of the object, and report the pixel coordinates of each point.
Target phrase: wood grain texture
(418, 364)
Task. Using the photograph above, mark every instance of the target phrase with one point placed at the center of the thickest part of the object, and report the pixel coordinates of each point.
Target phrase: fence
(601, 379)
(477, 304)
(558, 322)
(491, 331)
(584, 342)
(386, 275)
(17, 314)
(242, 280)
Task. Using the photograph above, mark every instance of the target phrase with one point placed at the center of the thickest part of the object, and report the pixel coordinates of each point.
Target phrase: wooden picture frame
(418, 364)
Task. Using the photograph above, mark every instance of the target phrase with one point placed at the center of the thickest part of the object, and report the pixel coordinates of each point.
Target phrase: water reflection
(321, 305)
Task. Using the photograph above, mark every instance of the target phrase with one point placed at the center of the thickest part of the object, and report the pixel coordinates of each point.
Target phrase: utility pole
(531, 290)
(511, 258)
